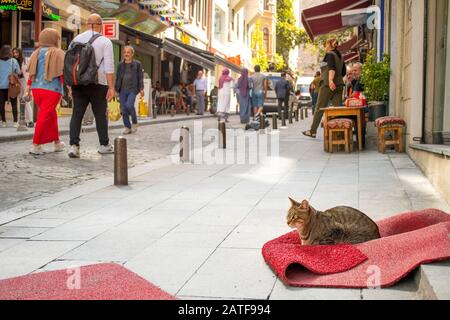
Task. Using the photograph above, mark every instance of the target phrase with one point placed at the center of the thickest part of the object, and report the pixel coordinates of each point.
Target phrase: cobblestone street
(26, 177)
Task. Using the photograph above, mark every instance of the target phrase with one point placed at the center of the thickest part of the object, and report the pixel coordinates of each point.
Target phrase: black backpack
(80, 66)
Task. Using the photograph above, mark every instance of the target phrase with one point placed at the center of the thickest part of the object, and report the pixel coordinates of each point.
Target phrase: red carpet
(97, 282)
(408, 240)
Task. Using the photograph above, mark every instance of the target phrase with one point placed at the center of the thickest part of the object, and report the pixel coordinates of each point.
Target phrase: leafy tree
(259, 54)
(279, 63)
(288, 34)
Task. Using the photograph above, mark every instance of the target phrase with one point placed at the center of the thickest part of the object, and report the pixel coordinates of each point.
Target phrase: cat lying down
(334, 226)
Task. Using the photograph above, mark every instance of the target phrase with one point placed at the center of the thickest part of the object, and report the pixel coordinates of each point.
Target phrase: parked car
(271, 101)
(303, 84)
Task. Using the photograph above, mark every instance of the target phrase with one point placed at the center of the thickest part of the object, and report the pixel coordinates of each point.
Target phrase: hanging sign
(111, 29)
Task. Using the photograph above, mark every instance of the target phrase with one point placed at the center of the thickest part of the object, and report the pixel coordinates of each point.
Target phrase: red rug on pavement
(95, 282)
(408, 240)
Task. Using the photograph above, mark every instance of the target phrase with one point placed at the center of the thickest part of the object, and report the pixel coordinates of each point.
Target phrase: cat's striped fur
(333, 226)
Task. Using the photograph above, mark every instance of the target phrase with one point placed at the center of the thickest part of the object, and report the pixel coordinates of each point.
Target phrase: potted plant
(375, 77)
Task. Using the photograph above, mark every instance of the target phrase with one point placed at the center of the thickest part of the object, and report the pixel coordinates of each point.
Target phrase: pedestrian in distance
(332, 86)
(46, 84)
(315, 86)
(9, 73)
(224, 95)
(23, 78)
(243, 93)
(129, 83)
(258, 83)
(91, 56)
(201, 87)
(283, 90)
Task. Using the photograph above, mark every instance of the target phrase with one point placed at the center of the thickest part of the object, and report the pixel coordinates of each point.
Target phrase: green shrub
(375, 77)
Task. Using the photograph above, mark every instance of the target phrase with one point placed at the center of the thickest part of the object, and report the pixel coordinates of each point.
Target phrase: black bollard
(291, 120)
(262, 123)
(296, 115)
(283, 119)
(172, 110)
(301, 114)
(306, 112)
(22, 123)
(222, 136)
(184, 145)
(120, 162)
(155, 111)
(274, 122)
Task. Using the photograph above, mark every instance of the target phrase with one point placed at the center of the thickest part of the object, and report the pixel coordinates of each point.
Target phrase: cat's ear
(294, 203)
(305, 205)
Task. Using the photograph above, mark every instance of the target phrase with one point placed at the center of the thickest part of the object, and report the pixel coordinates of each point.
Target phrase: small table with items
(339, 112)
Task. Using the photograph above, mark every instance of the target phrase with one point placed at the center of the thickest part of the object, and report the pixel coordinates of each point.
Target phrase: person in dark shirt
(283, 90)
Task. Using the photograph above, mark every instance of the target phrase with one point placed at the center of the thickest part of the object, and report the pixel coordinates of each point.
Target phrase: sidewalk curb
(92, 128)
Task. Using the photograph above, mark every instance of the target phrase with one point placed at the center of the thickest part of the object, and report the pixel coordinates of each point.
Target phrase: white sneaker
(74, 152)
(59, 146)
(106, 149)
(127, 131)
(16, 124)
(4, 125)
(36, 150)
(134, 128)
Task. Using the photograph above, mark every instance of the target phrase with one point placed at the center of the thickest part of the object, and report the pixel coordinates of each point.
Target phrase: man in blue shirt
(283, 90)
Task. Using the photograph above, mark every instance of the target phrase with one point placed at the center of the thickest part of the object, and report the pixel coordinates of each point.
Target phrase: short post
(172, 110)
(291, 120)
(120, 162)
(22, 123)
(296, 115)
(306, 112)
(301, 114)
(262, 123)
(184, 145)
(274, 122)
(283, 119)
(155, 111)
(222, 136)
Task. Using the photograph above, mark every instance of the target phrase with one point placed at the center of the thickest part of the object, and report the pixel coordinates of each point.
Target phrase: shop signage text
(16, 5)
(50, 12)
(111, 29)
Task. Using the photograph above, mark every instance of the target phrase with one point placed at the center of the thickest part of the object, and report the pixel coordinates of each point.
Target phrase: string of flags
(166, 12)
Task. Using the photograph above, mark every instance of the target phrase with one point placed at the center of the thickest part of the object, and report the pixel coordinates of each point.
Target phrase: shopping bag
(114, 110)
(58, 110)
(143, 108)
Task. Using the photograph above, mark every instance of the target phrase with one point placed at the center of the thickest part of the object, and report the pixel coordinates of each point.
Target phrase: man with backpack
(89, 73)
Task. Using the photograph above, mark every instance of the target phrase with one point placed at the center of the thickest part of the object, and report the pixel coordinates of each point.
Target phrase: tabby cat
(333, 226)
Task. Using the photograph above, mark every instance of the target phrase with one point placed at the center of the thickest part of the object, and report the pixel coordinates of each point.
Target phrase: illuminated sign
(50, 12)
(16, 5)
(111, 29)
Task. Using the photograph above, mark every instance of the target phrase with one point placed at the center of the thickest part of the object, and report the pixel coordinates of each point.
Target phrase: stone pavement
(197, 230)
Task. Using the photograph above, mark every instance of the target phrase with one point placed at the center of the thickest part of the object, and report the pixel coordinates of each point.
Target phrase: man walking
(258, 84)
(97, 93)
(201, 87)
(283, 90)
(315, 86)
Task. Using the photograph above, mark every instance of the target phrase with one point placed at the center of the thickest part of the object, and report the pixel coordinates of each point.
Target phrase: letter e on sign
(111, 29)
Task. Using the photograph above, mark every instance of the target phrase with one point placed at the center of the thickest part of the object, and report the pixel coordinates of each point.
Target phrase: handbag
(114, 110)
(15, 87)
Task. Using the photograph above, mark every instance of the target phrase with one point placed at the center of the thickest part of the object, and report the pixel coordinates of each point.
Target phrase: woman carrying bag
(9, 83)
(46, 82)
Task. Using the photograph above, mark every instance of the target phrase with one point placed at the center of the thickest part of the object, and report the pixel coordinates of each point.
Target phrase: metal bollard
(291, 120)
(22, 123)
(301, 114)
(184, 145)
(296, 115)
(306, 112)
(172, 110)
(283, 119)
(155, 111)
(222, 136)
(262, 123)
(120, 162)
(274, 122)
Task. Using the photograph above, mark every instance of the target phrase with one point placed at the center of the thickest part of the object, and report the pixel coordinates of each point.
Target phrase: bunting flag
(167, 13)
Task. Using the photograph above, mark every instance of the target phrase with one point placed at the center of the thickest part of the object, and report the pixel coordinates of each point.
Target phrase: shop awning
(351, 57)
(348, 45)
(327, 17)
(191, 54)
(227, 64)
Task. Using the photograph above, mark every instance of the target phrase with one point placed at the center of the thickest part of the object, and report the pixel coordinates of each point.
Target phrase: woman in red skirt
(45, 80)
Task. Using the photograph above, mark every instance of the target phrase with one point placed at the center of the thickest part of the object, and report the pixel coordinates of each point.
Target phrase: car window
(271, 82)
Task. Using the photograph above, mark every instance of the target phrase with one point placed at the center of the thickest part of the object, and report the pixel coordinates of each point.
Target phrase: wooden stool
(342, 127)
(394, 126)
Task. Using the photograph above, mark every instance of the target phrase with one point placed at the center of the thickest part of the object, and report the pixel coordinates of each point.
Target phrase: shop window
(266, 39)
(192, 8)
(205, 9)
(219, 25)
(199, 12)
